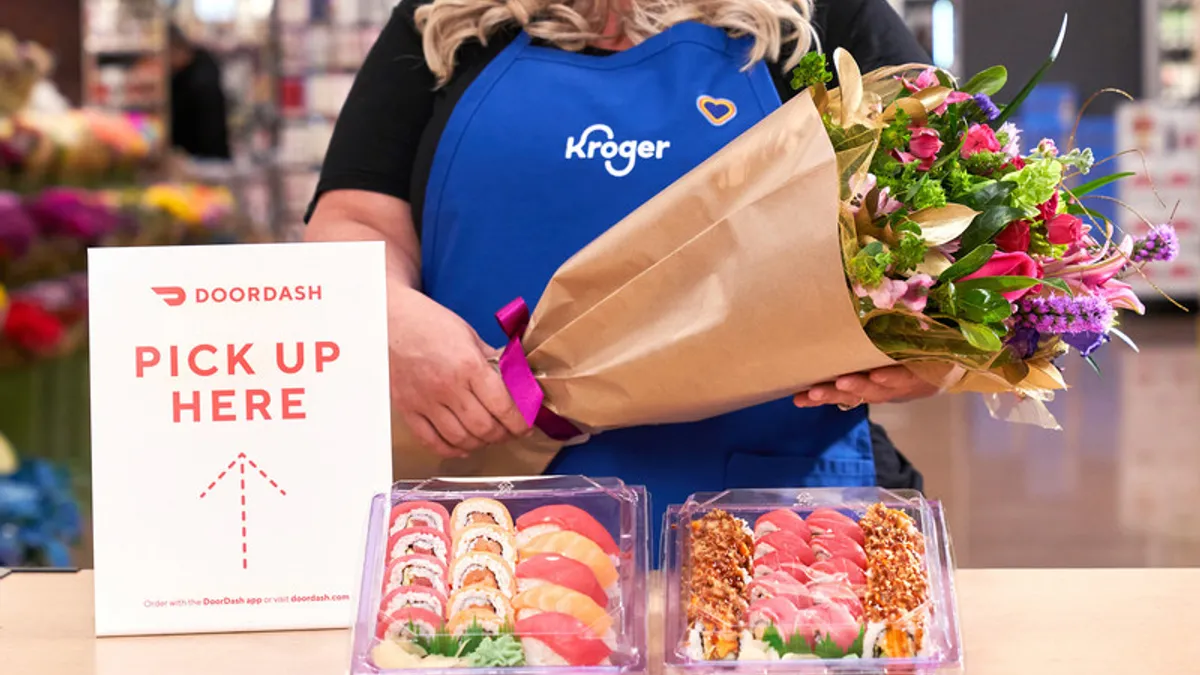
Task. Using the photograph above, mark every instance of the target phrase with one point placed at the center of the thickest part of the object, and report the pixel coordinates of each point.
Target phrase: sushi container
(536, 575)
(838, 580)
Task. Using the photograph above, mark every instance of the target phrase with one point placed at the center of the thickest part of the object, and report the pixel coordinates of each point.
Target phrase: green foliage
(982, 306)
(870, 264)
(926, 193)
(969, 263)
(1036, 183)
(987, 225)
(981, 337)
(811, 70)
(910, 253)
(987, 82)
(896, 136)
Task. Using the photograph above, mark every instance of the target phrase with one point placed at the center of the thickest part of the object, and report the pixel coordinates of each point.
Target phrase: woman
(469, 160)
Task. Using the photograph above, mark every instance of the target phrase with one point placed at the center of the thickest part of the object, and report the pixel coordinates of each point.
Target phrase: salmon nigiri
(547, 598)
(576, 547)
(551, 568)
(564, 517)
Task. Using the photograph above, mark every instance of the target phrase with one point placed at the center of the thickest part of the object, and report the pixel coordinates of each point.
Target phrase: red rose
(1049, 209)
(1015, 237)
(1009, 265)
(1064, 229)
(1016, 163)
(32, 328)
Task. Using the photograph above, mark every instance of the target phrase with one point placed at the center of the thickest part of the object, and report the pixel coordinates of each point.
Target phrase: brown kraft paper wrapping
(724, 291)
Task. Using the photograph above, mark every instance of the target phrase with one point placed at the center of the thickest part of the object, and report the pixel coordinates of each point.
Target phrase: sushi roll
(552, 639)
(564, 517)
(479, 511)
(788, 544)
(576, 547)
(419, 541)
(780, 585)
(416, 570)
(483, 569)
(832, 546)
(556, 599)
(481, 597)
(408, 622)
(419, 514)
(716, 583)
(557, 570)
(485, 619)
(897, 598)
(428, 599)
(840, 569)
(486, 539)
(782, 519)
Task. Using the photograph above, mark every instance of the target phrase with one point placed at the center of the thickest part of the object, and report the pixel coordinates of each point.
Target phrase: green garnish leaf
(856, 647)
(968, 263)
(981, 337)
(989, 82)
(798, 645)
(774, 640)
(987, 225)
(471, 639)
(827, 649)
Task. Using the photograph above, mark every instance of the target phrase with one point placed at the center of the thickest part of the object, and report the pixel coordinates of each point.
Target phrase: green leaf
(471, 639)
(1095, 366)
(827, 649)
(987, 225)
(982, 306)
(856, 647)
(968, 263)
(1124, 338)
(999, 284)
(1058, 285)
(989, 82)
(1076, 209)
(944, 79)
(991, 194)
(1015, 104)
(1092, 186)
(798, 645)
(980, 336)
(774, 640)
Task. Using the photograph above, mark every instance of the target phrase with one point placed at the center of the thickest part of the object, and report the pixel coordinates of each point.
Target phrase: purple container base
(945, 630)
(620, 508)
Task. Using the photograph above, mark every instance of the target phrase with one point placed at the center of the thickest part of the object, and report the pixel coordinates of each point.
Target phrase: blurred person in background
(450, 149)
(199, 114)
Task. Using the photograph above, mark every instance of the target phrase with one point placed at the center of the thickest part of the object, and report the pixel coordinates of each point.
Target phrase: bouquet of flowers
(892, 219)
(39, 516)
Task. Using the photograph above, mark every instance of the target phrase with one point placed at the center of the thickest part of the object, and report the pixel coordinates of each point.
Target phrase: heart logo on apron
(717, 111)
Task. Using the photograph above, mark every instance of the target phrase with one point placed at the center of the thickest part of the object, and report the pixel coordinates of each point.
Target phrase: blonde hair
(775, 25)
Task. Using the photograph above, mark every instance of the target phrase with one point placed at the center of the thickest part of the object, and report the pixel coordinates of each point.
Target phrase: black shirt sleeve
(379, 128)
(871, 31)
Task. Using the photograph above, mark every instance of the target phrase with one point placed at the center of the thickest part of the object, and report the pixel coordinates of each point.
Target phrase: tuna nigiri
(841, 569)
(828, 546)
(551, 568)
(782, 519)
(787, 543)
(564, 517)
(552, 639)
(780, 585)
(576, 547)
(548, 598)
(837, 593)
(419, 514)
(835, 523)
(837, 624)
(776, 560)
(820, 517)
(772, 563)
(403, 621)
(769, 612)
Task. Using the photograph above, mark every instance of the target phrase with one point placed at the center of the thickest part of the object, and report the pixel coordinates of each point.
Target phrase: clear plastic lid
(504, 575)
(845, 580)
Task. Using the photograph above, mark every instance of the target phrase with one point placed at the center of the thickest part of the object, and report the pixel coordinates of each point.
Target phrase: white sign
(240, 426)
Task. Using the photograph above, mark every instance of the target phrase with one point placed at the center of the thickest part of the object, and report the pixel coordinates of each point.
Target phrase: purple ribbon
(518, 376)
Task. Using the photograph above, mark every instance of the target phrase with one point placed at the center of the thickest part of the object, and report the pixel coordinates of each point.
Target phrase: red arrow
(240, 462)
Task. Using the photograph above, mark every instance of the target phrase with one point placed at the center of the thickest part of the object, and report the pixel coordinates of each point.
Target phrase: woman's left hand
(884, 385)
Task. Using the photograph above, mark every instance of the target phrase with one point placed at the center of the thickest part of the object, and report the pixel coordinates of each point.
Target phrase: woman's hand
(452, 399)
(884, 385)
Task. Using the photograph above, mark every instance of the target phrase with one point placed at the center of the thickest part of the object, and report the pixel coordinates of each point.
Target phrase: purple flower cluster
(986, 106)
(1082, 321)
(1161, 245)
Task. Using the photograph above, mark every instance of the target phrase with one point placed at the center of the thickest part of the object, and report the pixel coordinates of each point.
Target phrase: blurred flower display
(39, 515)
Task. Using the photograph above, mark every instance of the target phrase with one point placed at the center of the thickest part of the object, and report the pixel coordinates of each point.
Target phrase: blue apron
(544, 152)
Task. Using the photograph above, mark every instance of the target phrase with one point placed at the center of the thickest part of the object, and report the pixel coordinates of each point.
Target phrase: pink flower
(1121, 296)
(885, 205)
(1064, 229)
(979, 138)
(927, 80)
(1048, 148)
(1090, 271)
(923, 147)
(1010, 264)
(917, 294)
(912, 294)
(1049, 209)
(1014, 237)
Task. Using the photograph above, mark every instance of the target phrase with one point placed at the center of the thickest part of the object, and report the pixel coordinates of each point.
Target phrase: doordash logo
(175, 296)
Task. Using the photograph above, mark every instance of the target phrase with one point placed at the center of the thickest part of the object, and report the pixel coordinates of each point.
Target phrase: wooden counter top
(1015, 622)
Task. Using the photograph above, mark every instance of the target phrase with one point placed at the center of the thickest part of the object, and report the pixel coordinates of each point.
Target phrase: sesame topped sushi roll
(487, 539)
(897, 595)
(560, 517)
(419, 541)
(717, 580)
(476, 568)
(419, 514)
(479, 511)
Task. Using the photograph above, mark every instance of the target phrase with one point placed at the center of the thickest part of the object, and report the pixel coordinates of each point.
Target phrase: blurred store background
(87, 159)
